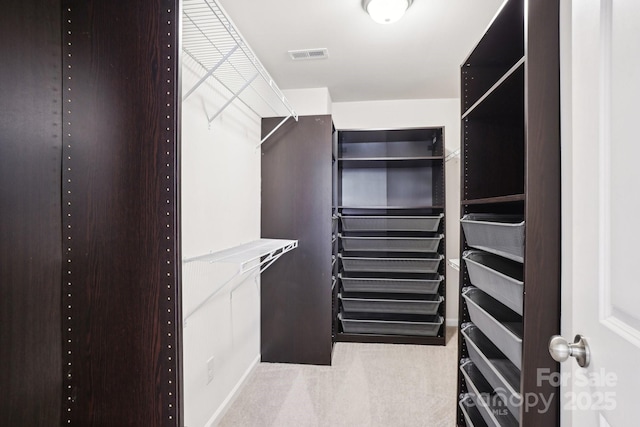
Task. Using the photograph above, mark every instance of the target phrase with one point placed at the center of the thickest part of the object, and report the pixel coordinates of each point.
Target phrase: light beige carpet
(368, 385)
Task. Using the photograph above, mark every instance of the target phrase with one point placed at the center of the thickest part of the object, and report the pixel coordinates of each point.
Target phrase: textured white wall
(220, 209)
(419, 113)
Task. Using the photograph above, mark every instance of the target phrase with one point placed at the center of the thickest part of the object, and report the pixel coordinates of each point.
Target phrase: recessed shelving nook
(389, 205)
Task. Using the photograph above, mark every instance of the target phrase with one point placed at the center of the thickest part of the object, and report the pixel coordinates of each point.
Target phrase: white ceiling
(417, 57)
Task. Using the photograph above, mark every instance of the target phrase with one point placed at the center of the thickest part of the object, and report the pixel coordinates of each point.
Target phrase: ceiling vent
(299, 55)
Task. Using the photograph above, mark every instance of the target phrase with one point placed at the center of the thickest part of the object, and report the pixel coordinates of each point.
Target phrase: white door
(601, 210)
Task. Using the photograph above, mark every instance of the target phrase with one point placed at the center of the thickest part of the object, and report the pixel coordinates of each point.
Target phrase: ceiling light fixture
(386, 11)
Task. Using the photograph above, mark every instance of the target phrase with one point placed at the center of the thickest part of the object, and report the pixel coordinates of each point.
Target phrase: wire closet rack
(254, 256)
(210, 39)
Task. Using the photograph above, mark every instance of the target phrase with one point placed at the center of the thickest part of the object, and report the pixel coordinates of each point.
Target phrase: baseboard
(452, 322)
(226, 404)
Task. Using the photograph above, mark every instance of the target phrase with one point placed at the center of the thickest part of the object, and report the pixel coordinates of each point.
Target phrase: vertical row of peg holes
(67, 220)
(171, 269)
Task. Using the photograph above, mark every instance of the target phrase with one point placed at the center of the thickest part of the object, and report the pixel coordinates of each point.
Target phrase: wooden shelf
(389, 159)
(500, 47)
(389, 162)
(494, 200)
(519, 66)
(390, 339)
(393, 207)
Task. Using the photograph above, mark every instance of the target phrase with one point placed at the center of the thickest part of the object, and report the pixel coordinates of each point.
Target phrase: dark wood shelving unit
(389, 176)
(511, 166)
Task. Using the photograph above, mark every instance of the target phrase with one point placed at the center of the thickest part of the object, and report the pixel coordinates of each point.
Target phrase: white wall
(309, 102)
(419, 113)
(220, 209)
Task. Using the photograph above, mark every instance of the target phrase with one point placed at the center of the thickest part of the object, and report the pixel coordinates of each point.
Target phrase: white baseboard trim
(452, 322)
(226, 404)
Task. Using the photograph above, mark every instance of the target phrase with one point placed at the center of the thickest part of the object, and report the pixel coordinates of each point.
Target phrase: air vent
(298, 55)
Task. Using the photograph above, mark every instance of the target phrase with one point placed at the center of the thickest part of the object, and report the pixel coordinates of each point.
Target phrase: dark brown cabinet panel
(121, 290)
(296, 204)
(30, 225)
(90, 321)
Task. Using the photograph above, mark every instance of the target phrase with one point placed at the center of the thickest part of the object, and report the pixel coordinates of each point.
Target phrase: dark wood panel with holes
(121, 250)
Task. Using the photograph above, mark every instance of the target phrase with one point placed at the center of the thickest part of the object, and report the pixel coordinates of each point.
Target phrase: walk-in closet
(212, 218)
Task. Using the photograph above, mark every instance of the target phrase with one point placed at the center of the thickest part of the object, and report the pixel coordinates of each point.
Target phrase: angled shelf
(210, 39)
(256, 255)
(495, 200)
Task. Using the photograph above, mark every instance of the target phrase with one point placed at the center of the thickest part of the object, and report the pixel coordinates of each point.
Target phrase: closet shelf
(494, 200)
(211, 40)
(250, 255)
(389, 159)
(518, 66)
(259, 254)
(381, 207)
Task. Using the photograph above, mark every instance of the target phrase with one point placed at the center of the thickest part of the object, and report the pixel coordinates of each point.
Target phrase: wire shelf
(253, 256)
(210, 39)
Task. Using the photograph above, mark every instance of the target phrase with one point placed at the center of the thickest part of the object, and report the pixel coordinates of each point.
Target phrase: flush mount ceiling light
(386, 11)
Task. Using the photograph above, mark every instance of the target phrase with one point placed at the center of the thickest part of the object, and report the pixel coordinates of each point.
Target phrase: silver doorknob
(561, 350)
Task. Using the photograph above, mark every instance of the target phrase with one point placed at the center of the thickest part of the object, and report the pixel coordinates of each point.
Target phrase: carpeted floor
(369, 385)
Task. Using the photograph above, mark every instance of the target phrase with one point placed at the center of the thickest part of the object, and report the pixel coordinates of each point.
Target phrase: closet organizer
(388, 236)
(510, 240)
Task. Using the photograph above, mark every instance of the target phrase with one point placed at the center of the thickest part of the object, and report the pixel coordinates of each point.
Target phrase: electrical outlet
(210, 370)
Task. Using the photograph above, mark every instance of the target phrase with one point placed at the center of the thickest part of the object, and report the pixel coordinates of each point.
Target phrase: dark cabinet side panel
(542, 245)
(30, 251)
(296, 204)
(121, 260)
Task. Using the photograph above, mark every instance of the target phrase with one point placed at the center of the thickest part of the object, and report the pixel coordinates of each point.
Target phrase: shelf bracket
(275, 129)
